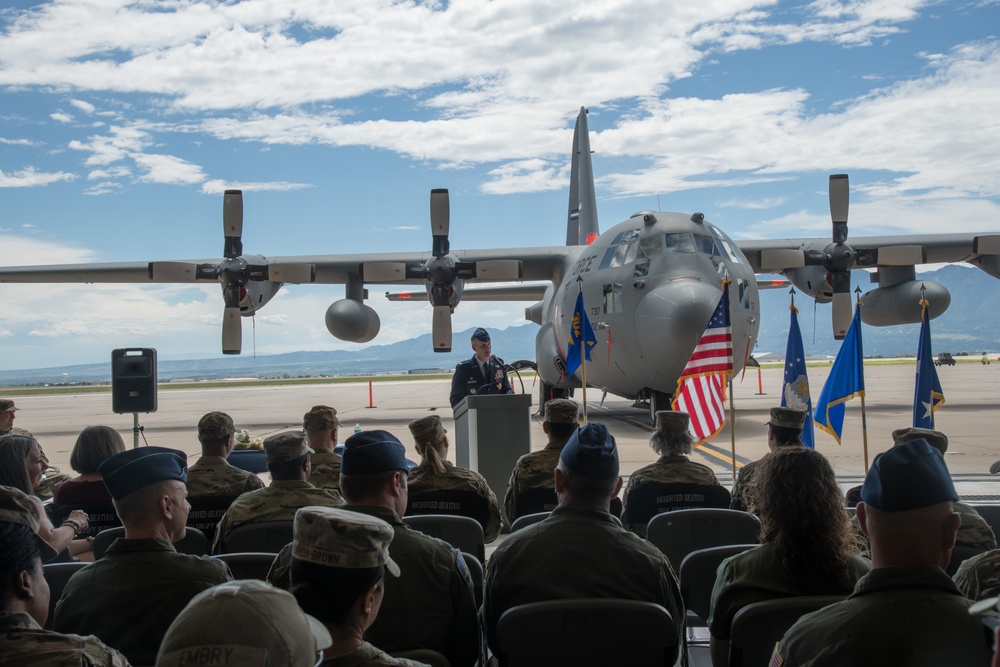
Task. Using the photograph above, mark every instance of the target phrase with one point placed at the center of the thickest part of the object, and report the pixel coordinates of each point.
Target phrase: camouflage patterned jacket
(277, 502)
(215, 476)
(668, 470)
(325, 470)
(532, 471)
(741, 488)
(972, 532)
(979, 577)
(423, 480)
(24, 642)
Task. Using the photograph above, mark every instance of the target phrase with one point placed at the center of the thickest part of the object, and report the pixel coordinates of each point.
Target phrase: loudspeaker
(133, 380)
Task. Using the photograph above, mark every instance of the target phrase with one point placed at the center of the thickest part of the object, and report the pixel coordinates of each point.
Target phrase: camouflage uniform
(972, 532)
(422, 479)
(367, 655)
(741, 487)
(979, 577)
(432, 605)
(129, 598)
(24, 642)
(277, 502)
(325, 470)
(215, 476)
(532, 471)
(668, 470)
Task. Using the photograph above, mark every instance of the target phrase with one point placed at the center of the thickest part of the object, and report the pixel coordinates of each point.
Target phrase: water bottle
(357, 429)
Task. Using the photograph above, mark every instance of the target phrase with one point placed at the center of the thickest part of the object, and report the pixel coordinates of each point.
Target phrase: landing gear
(547, 392)
(657, 401)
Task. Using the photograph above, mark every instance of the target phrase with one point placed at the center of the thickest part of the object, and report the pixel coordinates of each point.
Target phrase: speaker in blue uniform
(133, 380)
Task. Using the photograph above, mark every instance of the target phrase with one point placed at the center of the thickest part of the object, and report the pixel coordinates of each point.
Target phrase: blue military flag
(795, 390)
(581, 338)
(927, 396)
(846, 380)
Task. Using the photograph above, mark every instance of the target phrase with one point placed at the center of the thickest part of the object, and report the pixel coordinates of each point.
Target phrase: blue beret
(591, 452)
(909, 476)
(135, 468)
(481, 334)
(373, 451)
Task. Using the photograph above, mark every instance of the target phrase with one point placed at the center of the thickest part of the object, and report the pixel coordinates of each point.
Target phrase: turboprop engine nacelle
(811, 280)
(352, 321)
(255, 294)
(900, 304)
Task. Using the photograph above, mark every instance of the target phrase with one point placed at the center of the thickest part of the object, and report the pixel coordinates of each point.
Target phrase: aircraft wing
(517, 292)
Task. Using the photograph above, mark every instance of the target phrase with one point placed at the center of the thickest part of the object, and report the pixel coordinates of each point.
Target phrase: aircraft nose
(671, 318)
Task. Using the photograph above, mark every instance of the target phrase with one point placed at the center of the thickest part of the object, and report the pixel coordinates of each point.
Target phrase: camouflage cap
(937, 439)
(427, 430)
(135, 468)
(788, 418)
(7, 405)
(215, 426)
(245, 622)
(340, 538)
(18, 507)
(672, 421)
(562, 411)
(286, 446)
(320, 418)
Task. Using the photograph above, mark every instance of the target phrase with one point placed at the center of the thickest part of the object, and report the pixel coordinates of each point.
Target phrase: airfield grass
(355, 379)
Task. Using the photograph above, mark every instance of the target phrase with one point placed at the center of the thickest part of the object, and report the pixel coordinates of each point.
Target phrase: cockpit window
(724, 246)
(705, 243)
(679, 242)
(623, 250)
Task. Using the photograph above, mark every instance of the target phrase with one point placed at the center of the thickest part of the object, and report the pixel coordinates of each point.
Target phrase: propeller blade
(840, 196)
(441, 329)
(773, 260)
(292, 273)
(175, 272)
(232, 331)
(498, 270)
(843, 313)
(232, 223)
(383, 272)
(440, 220)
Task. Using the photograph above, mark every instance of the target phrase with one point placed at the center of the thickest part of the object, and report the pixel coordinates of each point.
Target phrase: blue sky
(122, 122)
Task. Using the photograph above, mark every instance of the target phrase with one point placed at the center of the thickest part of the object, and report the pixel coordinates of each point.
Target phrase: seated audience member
(979, 577)
(783, 430)
(242, 623)
(534, 470)
(974, 531)
(433, 606)
(212, 474)
(50, 474)
(21, 466)
(288, 462)
(807, 545)
(94, 446)
(338, 568)
(906, 611)
(672, 440)
(321, 427)
(436, 473)
(580, 550)
(130, 597)
(24, 595)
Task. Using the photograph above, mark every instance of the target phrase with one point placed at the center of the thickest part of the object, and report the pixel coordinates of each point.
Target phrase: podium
(491, 433)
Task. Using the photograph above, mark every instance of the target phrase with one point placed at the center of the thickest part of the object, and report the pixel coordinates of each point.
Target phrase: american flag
(701, 388)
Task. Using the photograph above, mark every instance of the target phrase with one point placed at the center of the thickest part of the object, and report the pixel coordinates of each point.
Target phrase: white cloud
(30, 177)
(216, 186)
(85, 107)
(61, 117)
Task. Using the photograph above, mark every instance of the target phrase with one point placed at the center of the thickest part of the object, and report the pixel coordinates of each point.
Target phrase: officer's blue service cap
(135, 468)
(910, 476)
(591, 452)
(373, 451)
(481, 334)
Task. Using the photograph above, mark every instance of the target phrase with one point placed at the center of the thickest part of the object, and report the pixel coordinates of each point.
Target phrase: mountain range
(971, 324)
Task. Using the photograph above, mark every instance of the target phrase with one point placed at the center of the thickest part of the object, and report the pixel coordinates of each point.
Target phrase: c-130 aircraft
(650, 283)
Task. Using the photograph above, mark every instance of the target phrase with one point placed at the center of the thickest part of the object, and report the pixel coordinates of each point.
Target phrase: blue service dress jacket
(469, 380)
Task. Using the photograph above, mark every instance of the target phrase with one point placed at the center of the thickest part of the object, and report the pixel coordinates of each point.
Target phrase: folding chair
(757, 627)
(266, 536)
(424, 656)
(457, 503)
(101, 517)
(57, 575)
(585, 632)
(679, 533)
(477, 574)
(990, 514)
(194, 542)
(248, 564)
(206, 513)
(461, 532)
(527, 520)
(533, 501)
(647, 500)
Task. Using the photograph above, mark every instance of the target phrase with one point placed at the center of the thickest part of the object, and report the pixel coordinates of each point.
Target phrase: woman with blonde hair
(436, 473)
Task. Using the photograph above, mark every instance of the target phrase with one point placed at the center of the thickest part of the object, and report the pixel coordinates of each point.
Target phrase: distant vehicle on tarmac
(945, 359)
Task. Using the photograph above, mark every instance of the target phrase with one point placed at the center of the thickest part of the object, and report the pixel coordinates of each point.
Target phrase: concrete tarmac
(969, 418)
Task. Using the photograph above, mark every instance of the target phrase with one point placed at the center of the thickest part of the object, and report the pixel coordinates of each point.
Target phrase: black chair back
(248, 565)
(457, 503)
(206, 513)
(267, 536)
(101, 518)
(461, 532)
(757, 627)
(57, 575)
(647, 500)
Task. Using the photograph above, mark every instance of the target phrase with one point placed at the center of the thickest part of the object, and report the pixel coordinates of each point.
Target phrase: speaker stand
(136, 430)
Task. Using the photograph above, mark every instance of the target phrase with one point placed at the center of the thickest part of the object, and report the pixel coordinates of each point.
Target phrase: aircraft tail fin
(581, 225)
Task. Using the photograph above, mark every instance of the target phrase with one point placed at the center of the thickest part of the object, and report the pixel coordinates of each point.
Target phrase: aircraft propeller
(234, 272)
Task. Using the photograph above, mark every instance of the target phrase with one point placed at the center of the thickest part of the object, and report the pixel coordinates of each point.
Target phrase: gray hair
(671, 443)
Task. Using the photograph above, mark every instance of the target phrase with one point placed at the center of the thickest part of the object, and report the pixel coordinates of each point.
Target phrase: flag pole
(732, 425)
(583, 358)
(864, 413)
